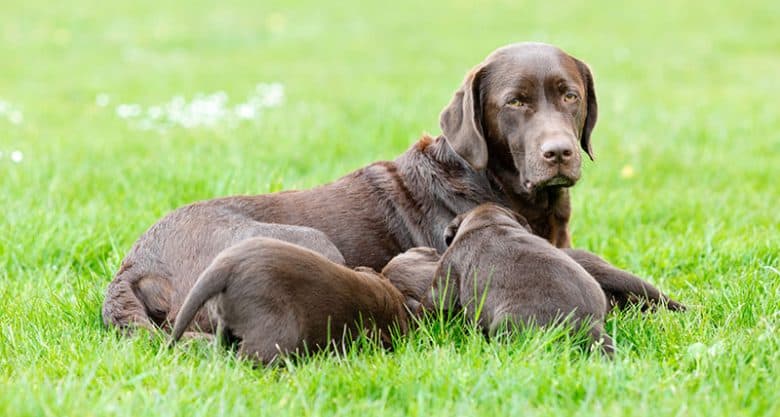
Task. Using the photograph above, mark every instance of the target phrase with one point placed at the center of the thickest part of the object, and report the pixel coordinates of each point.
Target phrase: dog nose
(557, 150)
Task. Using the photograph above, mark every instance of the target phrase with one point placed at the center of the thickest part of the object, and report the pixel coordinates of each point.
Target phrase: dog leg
(125, 309)
(622, 288)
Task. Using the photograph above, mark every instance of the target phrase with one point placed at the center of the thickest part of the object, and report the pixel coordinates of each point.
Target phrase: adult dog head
(523, 113)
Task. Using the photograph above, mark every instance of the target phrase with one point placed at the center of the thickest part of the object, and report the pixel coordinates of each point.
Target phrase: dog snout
(557, 150)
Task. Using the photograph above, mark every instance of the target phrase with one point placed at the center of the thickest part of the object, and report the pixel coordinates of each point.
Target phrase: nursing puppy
(524, 279)
(412, 272)
(155, 294)
(278, 298)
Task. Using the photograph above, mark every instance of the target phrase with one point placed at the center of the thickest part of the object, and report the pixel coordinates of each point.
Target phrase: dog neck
(441, 185)
(547, 211)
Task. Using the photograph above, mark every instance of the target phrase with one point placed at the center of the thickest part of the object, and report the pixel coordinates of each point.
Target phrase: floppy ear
(461, 121)
(426, 252)
(522, 220)
(452, 229)
(592, 110)
(519, 218)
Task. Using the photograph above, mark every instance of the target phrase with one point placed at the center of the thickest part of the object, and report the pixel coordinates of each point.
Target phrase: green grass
(688, 102)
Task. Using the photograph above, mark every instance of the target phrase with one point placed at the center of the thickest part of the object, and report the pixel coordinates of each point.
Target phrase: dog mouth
(555, 181)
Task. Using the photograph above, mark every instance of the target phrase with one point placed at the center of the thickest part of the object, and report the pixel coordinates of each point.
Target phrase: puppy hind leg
(602, 339)
(154, 293)
(269, 338)
(125, 305)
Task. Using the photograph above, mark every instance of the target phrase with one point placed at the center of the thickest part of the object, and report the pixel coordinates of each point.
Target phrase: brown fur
(622, 288)
(524, 280)
(486, 154)
(412, 273)
(145, 299)
(279, 298)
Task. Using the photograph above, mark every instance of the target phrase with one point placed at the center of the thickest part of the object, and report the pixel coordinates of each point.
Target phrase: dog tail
(211, 282)
(598, 335)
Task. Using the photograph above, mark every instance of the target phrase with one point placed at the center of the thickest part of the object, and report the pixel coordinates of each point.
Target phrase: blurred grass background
(683, 191)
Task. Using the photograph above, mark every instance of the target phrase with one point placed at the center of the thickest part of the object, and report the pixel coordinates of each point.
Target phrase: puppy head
(452, 229)
(482, 216)
(412, 273)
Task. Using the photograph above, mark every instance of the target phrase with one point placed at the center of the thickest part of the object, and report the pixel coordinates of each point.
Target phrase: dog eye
(570, 97)
(515, 102)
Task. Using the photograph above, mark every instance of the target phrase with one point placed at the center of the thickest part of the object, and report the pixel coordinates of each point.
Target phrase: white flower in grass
(208, 110)
(128, 111)
(220, 96)
(154, 112)
(11, 112)
(245, 111)
(16, 117)
(102, 100)
(270, 95)
(204, 110)
(17, 156)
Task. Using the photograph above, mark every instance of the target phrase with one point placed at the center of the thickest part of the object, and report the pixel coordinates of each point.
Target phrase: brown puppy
(276, 297)
(524, 280)
(412, 273)
(510, 136)
(154, 295)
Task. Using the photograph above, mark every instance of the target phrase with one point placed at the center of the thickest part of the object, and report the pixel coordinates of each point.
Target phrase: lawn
(684, 192)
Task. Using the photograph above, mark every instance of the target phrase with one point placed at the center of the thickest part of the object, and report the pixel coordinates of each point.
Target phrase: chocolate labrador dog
(510, 135)
(501, 274)
(278, 298)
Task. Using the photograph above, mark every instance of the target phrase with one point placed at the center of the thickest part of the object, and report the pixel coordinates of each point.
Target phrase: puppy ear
(517, 217)
(592, 109)
(461, 121)
(523, 221)
(426, 252)
(452, 229)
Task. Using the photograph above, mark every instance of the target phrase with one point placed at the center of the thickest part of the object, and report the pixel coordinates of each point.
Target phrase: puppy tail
(599, 336)
(211, 282)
